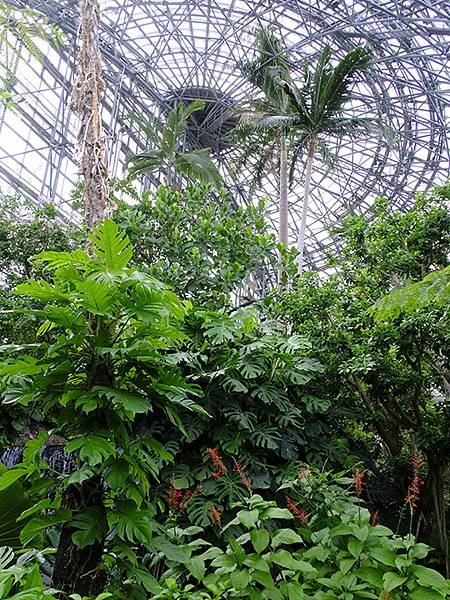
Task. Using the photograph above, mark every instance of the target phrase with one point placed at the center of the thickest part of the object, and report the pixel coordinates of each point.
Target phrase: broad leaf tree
(102, 367)
(392, 376)
(197, 242)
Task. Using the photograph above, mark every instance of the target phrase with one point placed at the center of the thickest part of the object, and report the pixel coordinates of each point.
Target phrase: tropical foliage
(21, 30)
(336, 551)
(161, 441)
(169, 154)
(390, 376)
(304, 116)
(198, 242)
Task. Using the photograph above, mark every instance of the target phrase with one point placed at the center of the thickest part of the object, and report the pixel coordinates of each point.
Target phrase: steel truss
(158, 52)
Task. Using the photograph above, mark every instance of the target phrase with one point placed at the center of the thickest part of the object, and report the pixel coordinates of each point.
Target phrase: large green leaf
(13, 501)
(145, 162)
(41, 290)
(56, 260)
(96, 296)
(90, 526)
(111, 246)
(134, 525)
(94, 449)
(132, 403)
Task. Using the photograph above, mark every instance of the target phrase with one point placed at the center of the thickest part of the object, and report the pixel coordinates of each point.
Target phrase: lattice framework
(158, 52)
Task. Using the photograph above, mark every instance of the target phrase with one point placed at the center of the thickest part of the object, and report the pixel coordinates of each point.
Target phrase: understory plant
(333, 551)
(98, 366)
(119, 367)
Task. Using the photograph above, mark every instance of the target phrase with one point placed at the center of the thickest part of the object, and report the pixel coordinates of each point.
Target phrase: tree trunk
(301, 233)
(86, 102)
(435, 486)
(283, 202)
(283, 208)
(79, 570)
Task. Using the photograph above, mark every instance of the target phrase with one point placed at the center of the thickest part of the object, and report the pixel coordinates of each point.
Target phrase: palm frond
(276, 122)
(299, 105)
(353, 127)
(329, 159)
(21, 29)
(144, 162)
(270, 68)
(151, 126)
(334, 91)
(198, 165)
(191, 108)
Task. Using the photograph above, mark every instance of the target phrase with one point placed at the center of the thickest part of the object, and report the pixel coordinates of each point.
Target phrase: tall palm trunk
(283, 207)
(301, 233)
(283, 200)
(78, 570)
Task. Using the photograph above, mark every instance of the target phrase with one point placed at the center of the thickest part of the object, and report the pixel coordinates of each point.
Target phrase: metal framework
(159, 51)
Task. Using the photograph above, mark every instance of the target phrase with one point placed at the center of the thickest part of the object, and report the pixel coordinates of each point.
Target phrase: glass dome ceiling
(156, 52)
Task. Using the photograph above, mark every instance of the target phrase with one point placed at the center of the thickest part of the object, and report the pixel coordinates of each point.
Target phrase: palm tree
(319, 104)
(269, 71)
(168, 138)
(302, 116)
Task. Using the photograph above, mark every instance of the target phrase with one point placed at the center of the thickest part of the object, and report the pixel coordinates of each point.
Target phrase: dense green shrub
(122, 365)
(335, 551)
(199, 242)
(391, 379)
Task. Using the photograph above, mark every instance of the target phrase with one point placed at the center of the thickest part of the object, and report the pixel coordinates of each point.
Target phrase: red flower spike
(216, 514)
(413, 495)
(298, 512)
(178, 499)
(416, 463)
(238, 468)
(217, 462)
(358, 482)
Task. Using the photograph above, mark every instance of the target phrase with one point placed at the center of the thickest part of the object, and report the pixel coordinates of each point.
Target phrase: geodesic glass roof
(156, 52)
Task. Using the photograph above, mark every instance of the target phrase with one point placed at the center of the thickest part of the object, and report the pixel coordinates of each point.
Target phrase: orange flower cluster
(217, 462)
(358, 482)
(238, 468)
(298, 512)
(178, 499)
(216, 514)
(385, 595)
(417, 463)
